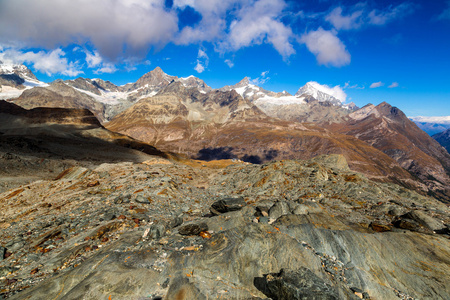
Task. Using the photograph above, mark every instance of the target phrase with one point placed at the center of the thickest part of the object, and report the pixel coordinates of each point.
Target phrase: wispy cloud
(93, 59)
(376, 85)
(263, 78)
(327, 47)
(445, 15)
(106, 68)
(354, 86)
(361, 14)
(202, 61)
(229, 63)
(382, 17)
(393, 85)
(340, 21)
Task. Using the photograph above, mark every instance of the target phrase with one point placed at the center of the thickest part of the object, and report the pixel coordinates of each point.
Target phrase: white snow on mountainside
(8, 91)
(323, 92)
(283, 100)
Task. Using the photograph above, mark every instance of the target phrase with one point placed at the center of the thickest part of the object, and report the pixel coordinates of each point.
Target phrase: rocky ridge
(389, 130)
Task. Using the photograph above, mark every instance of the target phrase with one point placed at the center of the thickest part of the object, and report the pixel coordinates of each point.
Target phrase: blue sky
(394, 51)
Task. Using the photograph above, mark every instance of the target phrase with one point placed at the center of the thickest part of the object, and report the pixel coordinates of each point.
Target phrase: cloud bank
(120, 31)
(46, 62)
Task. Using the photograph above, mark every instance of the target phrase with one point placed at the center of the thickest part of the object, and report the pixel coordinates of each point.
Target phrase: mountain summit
(322, 93)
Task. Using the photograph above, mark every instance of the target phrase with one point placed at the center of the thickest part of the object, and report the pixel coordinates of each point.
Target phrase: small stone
(142, 199)
(227, 204)
(175, 222)
(279, 209)
(379, 227)
(122, 199)
(156, 231)
(93, 183)
(193, 229)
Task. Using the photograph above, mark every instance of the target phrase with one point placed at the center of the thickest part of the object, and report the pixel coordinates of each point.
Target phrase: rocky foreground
(168, 230)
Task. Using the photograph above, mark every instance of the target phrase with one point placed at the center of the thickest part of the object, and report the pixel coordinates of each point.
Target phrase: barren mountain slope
(389, 130)
(39, 143)
(58, 94)
(222, 125)
(443, 139)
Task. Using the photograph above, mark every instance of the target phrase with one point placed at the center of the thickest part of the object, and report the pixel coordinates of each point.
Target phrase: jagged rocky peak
(391, 112)
(156, 77)
(105, 85)
(18, 69)
(194, 82)
(244, 82)
(319, 92)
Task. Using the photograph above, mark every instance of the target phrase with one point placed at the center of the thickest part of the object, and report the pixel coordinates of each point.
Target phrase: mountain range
(247, 122)
(168, 189)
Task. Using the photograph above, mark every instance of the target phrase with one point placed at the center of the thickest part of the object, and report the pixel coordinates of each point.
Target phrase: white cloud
(340, 21)
(108, 25)
(393, 85)
(376, 85)
(377, 17)
(93, 59)
(109, 68)
(202, 54)
(199, 67)
(202, 61)
(259, 23)
(50, 63)
(254, 23)
(229, 63)
(327, 47)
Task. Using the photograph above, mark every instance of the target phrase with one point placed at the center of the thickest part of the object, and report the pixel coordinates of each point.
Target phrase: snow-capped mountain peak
(18, 69)
(323, 93)
(15, 78)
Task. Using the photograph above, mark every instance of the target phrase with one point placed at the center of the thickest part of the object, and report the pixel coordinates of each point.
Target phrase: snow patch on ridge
(283, 100)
